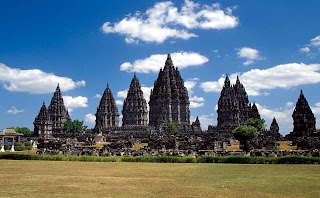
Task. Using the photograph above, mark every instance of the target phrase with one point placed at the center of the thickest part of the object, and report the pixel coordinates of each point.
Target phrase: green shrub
(235, 159)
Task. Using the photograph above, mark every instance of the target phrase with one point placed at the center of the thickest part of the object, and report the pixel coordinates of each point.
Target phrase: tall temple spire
(227, 81)
(107, 115)
(135, 110)
(169, 100)
(303, 118)
(57, 111)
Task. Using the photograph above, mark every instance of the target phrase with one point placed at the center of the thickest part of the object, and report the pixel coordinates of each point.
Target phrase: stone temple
(51, 121)
(43, 123)
(107, 115)
(303, 118)
(58, 112)
(135, 110)
(234, 107)
(169, 100)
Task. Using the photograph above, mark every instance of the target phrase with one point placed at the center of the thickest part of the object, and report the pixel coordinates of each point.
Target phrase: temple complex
(107, 115)
(135, 110)
(274, 127)
(169, 100)
(234, 107)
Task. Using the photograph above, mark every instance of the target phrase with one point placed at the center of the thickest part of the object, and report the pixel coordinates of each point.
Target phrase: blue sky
(274, 46)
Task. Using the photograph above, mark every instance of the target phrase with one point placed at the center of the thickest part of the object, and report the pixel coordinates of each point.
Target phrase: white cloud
(157, 61)
(315, 41)
(97, 96)
(196, 104)
(14, 110)
(119, 102)
(75, 102)
(249, 54)
(34, 81)
(122, 94)
(190, 84)
(164, 21)
(289, 104)
(146, 93)
(305, 49)
(197, 99)
(280, 76)
(90, 118)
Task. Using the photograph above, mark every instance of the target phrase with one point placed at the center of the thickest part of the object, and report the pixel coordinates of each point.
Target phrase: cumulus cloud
(195, 101)
(157, 61)
(119, 102)
(164, 21)
(305, 49)
(34, 81)
(98, 96)
(315, 41)
(14, 110)
(280, 76)
(75, 102)
(122, 94)
(90, 118)
(289, 104)
(249, 54)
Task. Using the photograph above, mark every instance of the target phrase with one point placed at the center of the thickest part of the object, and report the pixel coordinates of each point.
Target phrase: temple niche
(304, 121)
(135, 110)
(169, 100)
(234, 107)
(107, 115)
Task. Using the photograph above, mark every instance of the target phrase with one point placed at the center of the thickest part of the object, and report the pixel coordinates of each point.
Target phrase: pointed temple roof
(274, 125)
(169, 90)
(43, 114)
(303, 118)
(135, 110)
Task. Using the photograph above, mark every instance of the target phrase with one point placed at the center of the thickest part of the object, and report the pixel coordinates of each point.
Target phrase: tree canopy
(259, 124)
(74, 126)
(22, 130)
(245, 133)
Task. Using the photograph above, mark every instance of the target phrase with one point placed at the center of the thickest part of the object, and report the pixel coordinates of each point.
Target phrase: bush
(234, 159)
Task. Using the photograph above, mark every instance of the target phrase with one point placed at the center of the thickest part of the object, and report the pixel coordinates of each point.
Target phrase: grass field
(85, 179)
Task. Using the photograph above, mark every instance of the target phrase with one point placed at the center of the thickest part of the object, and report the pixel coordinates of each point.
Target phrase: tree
(245, 134)
(172, 127)
(259, 124)
(23, 130)
(75, 126)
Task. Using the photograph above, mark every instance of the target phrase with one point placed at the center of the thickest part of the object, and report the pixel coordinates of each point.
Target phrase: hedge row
(169, 159)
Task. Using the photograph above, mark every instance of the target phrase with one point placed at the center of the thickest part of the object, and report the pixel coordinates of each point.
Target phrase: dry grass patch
(286, 145)
(85, 179)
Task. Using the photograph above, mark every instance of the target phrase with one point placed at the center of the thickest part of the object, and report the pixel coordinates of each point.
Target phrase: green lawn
(99, 179)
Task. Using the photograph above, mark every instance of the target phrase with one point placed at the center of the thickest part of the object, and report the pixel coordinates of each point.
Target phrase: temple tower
(274, 127)
(303, 118)
(42, 123)
(58, 112)
(196, 126)
(107, 115)
(234, 107)
(169, 100)
(135, 110)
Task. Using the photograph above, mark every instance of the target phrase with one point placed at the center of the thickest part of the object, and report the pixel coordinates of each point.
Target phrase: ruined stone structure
(135, 110)
(107, 115)
(169, 100)
(234, 107)
(303, 118)
(274, 127)
(42, 123)
(196, 126)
